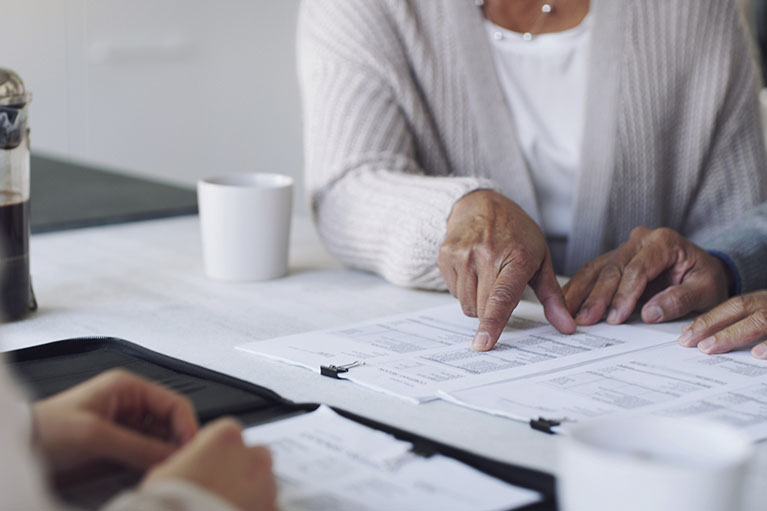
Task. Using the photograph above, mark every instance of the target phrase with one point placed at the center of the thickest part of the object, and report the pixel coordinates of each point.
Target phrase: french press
(16, 296)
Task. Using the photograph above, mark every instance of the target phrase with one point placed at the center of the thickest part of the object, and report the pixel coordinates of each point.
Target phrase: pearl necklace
(546, 8)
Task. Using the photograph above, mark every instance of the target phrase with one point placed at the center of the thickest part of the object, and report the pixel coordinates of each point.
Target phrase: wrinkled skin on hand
(675, 275)
(491, 252)
(738, 322)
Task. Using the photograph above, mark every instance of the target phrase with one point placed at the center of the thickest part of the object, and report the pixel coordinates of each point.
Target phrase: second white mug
(645, 462)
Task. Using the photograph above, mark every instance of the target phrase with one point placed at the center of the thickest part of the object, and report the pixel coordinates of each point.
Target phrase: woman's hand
(680, 276)
(115, 416)
(738, 322)
(218, 461)
(491, 252)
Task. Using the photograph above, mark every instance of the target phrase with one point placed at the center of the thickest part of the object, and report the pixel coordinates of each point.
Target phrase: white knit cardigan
(404, 115)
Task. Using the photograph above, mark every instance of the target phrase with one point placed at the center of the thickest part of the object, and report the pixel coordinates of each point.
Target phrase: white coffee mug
(245, 225)
(643, 463)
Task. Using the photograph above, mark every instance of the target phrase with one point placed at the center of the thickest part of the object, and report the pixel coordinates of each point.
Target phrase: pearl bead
(497, 35)
(527, 36)
(546, 8)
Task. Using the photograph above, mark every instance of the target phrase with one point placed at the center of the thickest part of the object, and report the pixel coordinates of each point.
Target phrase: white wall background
(172, 89)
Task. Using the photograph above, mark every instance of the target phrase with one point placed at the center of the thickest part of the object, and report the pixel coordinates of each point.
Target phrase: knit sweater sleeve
(734, 176)
(375, 206)
(744, 247)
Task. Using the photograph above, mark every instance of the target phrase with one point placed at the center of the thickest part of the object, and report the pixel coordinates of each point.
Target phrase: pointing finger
(504, 297)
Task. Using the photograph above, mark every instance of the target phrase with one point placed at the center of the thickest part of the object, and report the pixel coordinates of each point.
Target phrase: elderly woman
(483, 146)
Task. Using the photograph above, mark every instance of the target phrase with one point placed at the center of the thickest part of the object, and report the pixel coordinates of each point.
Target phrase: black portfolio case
(51, 368)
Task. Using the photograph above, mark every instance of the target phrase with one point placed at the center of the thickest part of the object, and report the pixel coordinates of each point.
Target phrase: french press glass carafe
(16, 296)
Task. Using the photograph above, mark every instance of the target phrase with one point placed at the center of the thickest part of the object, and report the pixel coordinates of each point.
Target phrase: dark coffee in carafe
(15, 287)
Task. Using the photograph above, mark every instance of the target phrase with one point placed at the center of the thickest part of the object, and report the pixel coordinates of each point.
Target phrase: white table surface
(144, 282)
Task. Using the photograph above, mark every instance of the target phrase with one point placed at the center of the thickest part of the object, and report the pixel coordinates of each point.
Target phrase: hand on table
(492, 250)
(737, 322)
(123, 418)
(116, 417)
(218, 461)
(691, 280)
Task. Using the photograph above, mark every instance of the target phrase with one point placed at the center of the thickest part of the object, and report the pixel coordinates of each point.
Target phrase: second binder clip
(333, 371)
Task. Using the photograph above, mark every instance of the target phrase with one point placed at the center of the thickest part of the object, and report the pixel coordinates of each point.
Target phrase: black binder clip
(545, 425)
(333, 371)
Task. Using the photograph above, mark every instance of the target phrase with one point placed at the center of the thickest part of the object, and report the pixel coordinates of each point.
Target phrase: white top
(544, 81)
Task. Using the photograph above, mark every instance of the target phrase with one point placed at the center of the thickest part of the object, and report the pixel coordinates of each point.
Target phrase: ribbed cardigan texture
(745, 244)
(404, 115)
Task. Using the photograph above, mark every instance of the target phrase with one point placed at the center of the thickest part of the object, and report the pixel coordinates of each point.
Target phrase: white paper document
(534, 371)
(667, 380)
(416, 355)
(323, 461)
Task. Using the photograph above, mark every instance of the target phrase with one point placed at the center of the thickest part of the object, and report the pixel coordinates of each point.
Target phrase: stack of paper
(534, 370)
(323, 461)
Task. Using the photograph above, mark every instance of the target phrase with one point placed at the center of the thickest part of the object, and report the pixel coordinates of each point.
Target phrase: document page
(415, 355)
(534, 371)
(668, 380)
(324, 462)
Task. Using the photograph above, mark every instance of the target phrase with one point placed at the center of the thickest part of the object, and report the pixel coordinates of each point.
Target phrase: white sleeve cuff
(171, 495)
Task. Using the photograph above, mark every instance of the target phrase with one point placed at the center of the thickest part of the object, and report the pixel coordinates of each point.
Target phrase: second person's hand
(686, 278)
(738, 322)
(492, 250)
(116, 416)
(218, 461)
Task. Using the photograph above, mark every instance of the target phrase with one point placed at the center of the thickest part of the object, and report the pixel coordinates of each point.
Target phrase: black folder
(51, 368)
